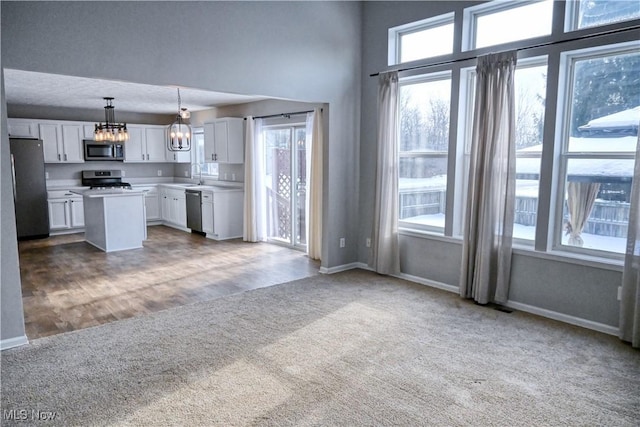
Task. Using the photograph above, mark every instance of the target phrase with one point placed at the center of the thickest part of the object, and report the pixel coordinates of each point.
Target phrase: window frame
(551, 47)
(568, 59)
(396, 33)
(465, 118)
(195, 160)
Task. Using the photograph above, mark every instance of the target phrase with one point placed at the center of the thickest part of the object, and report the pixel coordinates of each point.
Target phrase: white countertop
(212, 188)
(111, 192)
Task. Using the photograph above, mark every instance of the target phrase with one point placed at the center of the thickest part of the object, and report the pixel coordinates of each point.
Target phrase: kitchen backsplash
(73, 171)
(131, 170)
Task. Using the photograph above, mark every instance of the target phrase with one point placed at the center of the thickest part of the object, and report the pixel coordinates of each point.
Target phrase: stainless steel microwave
(103, 150)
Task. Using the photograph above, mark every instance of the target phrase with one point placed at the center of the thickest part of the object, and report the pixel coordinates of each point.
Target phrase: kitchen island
(114, 219)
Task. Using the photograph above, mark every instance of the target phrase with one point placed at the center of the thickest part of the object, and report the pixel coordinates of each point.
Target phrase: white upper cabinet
(145, 144)
(224, 141)
(133, 147)
(156, 140)
(89, 131)
(22, 128)
(179, 156)
(72, 136)
(62, 143)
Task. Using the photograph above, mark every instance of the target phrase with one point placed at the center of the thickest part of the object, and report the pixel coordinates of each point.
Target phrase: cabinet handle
(143, 157)
(147, 156)
(59, 157)
(65, 157)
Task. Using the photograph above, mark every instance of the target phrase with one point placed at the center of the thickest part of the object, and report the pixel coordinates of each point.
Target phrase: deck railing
(608, 218)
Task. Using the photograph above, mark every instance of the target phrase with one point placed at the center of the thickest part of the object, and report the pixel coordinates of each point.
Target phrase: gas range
(121, 186)
(104, 180)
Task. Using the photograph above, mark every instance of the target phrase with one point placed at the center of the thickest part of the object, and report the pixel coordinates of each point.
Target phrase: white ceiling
(53, 90)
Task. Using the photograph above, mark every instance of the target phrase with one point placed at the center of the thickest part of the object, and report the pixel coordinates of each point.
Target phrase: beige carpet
(347, 349)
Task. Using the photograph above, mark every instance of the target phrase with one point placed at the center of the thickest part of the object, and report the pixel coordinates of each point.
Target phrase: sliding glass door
(286, 184)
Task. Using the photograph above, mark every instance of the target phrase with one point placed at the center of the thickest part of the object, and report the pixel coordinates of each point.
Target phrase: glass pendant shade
(109, 130)
(180, 130)
(180, 135)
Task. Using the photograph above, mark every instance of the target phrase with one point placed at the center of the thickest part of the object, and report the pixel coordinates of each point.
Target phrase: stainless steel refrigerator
(29, 188)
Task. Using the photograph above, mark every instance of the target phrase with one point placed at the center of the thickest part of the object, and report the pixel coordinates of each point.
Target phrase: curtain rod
(453, 61)
(285, 115)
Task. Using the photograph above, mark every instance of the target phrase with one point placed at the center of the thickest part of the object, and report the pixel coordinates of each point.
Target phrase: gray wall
(570, 288)
(307, 51)
(11, 317)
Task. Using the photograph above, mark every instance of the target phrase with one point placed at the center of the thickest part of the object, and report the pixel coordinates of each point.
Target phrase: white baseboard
(13, 342)
(344, 267)
(543, 312)
(566, 318)
(431, 283)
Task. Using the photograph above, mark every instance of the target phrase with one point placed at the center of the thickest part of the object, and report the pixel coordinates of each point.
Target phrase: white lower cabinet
(152, 205)
(66, 211)
(151, 202)
(77, 212)
(174, 207)
(222, 214)
(207, 212)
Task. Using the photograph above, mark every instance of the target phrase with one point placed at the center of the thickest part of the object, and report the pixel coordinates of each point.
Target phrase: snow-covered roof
(623, 122)
(602, 170)
(623, 144)
(625, 118)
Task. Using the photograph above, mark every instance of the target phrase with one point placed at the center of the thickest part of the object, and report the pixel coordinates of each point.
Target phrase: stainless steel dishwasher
(194, 210)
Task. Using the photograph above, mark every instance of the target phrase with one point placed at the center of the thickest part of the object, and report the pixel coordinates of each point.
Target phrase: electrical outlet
(233, 177)
(159, 172)
(123, 173)
(619, 293)
(368, 242)
(342, 242)
(46, 175)
(225, 176)
(186, 174)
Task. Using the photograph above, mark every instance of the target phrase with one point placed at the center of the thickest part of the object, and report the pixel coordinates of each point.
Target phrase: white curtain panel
(255, 221)
(630, 298)
(385, 253)
(488, 227)
(581, 196)
(314, 161)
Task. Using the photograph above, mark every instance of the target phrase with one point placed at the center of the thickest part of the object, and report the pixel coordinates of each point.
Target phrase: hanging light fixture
(180, 130)
(110, 130)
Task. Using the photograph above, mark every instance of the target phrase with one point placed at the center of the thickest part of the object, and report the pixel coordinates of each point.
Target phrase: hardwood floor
(68, 284)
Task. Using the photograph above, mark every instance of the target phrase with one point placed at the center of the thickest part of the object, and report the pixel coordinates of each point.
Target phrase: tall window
(424, 145)
(530, 92)
(600, 137)
(530, 88)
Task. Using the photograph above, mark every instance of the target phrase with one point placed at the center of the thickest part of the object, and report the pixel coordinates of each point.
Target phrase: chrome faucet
(199, 171)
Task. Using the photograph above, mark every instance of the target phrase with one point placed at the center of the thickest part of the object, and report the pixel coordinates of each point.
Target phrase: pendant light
(180, 130)
(110, 130)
